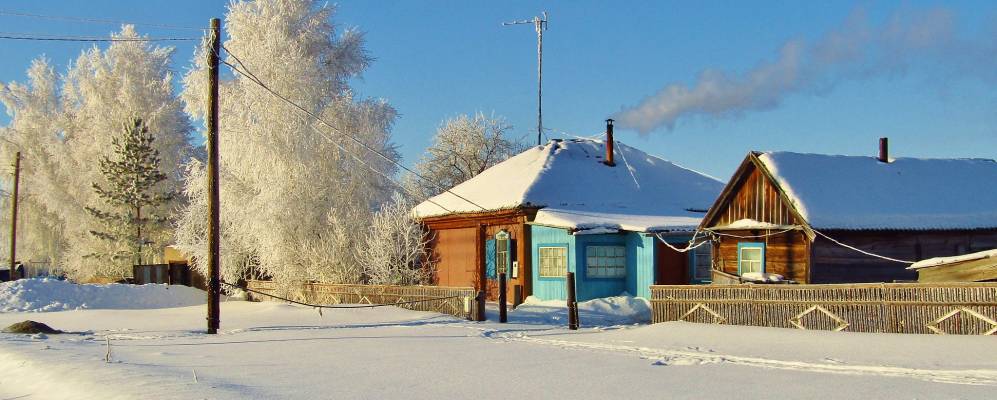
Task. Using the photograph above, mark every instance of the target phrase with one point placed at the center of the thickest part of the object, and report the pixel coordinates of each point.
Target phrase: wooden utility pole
(572, 303)
(540, 24)
(503, 307)
(13, 217)
(214, 277)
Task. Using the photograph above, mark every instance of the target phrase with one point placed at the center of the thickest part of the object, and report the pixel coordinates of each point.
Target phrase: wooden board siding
(453, 251)
(786, 254)
(752, 196)
(836, 264)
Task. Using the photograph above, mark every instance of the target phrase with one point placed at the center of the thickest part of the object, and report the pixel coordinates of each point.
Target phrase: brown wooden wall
(453, 251)
(835, 264)
(786, 254)
(754, 198)
(519, 233)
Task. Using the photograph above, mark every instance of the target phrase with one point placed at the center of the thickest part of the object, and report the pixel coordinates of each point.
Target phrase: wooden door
(672, 267)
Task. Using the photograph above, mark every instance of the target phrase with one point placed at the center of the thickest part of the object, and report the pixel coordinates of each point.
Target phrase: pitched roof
(567, 180)
(855, 192)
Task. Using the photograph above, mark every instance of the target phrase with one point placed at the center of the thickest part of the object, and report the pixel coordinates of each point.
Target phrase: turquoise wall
(640, 264)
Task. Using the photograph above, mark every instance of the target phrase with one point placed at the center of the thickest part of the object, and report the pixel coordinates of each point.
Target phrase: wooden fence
(953, 308)
(459, 302)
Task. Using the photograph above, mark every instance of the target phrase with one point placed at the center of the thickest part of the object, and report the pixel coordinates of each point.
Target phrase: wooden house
(816, 218)
(592, 207)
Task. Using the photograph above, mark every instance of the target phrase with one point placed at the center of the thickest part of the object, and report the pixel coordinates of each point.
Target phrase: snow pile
(761, 277)
(934, 262)
(852, 192)
(574, 189)
(48, 294)
(607, 311)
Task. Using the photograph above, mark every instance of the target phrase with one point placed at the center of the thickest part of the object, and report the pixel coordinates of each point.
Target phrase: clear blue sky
(437, 59)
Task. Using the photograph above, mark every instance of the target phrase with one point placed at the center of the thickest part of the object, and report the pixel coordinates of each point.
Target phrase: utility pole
(13, 217)
(540, 24)
(214, 277)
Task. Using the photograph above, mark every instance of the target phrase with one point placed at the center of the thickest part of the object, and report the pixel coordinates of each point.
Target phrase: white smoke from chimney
(856, 50)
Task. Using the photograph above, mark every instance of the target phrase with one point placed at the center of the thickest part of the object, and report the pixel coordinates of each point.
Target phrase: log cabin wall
(786, 254)
(835, 264)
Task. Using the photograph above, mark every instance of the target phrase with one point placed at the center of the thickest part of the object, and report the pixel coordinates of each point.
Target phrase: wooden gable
(752, 193)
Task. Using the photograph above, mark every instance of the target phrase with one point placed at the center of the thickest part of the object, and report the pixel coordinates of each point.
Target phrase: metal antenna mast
(540, 24)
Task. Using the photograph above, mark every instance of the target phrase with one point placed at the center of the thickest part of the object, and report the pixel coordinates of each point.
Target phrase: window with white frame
(605, 261)
(750, 257)
(702, 263)
(553, 261)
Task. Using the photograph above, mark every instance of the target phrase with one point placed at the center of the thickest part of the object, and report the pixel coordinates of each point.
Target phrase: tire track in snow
(987, 377)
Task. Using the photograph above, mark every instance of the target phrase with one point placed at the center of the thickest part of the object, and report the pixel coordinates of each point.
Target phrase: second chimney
(884, 150)
(609, 143)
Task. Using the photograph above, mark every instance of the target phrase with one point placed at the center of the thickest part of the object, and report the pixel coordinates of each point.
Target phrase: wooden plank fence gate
(458, 301)
(952, 308)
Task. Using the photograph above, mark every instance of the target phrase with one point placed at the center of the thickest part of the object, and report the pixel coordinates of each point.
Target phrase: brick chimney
(884, 150)
(609, 143)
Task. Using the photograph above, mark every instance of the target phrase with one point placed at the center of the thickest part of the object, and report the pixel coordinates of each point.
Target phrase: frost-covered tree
(462, 148)
(296, 195)
(133, 185)
(395, 249)
(63, 127)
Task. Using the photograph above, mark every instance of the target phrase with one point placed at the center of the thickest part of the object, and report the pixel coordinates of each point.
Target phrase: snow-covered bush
(394, 250)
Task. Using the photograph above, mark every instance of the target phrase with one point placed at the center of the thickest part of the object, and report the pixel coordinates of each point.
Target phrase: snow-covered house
(587, 206)
(782, 213)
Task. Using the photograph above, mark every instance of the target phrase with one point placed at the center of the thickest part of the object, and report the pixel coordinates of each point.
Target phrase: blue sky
(437, 59)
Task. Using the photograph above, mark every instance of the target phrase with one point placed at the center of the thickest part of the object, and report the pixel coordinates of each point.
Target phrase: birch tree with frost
(394, 250)
(462, 148)
(296, 196)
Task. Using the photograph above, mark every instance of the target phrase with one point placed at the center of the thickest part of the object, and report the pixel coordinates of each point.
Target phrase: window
(553, 262)
(605, 261)
(502, 252)
(702, 263)
(750, 257)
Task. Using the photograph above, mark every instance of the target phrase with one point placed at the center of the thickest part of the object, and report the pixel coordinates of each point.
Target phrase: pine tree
(132, 180)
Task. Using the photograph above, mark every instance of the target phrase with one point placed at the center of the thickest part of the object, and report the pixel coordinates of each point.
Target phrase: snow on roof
(749, 223)
(567, 179)
(854, 192)
(934, 262)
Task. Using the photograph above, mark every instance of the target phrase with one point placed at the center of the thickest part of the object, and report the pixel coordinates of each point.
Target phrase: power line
(249, 74)
(405, 190)
(54, 38)
(96, 20)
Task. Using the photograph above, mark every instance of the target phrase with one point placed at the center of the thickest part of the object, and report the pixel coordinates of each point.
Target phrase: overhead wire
(96, 20)
(56, 38)
(252, 77)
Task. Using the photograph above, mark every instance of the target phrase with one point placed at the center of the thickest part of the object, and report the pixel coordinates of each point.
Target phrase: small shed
(974, 267)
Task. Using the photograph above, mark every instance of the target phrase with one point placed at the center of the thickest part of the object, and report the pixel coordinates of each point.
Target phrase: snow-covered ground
(271, 350)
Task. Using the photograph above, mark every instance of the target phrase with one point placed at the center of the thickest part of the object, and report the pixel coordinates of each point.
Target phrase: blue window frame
(750, 257)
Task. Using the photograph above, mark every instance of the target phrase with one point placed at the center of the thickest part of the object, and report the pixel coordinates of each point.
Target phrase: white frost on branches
(294, 203)
(462, 148)
(394, 250)
(64, 126)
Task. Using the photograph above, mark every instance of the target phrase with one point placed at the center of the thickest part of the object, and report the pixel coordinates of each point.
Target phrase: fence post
(479, 303)
(517, 296)
(572, 304)
(503, 307)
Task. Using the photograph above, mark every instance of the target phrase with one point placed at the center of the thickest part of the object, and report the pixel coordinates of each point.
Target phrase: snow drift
(48, 294)
(607, 311)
